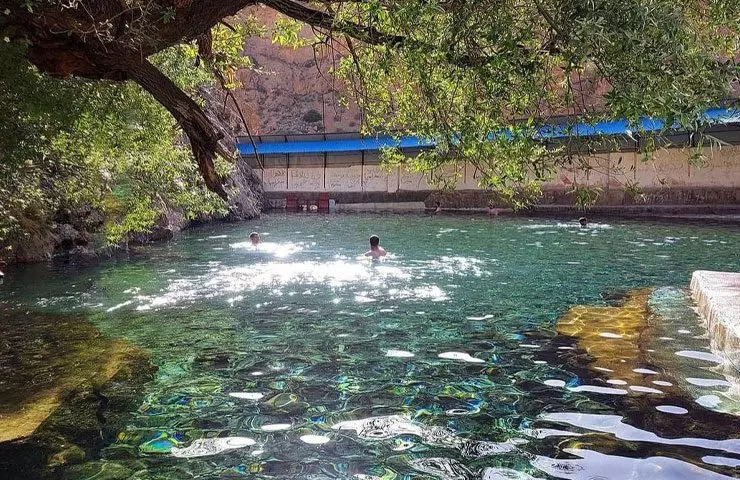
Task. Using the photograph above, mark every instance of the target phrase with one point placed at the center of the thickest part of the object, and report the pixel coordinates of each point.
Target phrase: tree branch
(365, 33)
(204, 139)
(193, 19)
(326, 21)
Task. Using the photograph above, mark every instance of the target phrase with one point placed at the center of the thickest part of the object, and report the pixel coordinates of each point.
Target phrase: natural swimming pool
(461, 356)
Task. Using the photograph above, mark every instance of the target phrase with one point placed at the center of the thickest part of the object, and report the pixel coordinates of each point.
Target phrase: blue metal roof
(321, 146)
(607, 128)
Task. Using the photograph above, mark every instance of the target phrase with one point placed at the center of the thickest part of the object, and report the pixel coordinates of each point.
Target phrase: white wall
(668, 167)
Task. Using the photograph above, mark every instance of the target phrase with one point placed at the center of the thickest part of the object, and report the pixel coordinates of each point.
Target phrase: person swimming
(492, 211)
(438, 210)
(583, 221)
(376, 251)
(254, 237)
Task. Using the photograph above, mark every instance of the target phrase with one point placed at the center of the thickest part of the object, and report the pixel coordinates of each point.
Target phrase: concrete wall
(361, 174)
(665, 168)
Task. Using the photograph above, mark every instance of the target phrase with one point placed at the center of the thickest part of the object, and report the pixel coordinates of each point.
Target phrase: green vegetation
(457, 71)
(108, 145)
(312, 116)
(453, 71)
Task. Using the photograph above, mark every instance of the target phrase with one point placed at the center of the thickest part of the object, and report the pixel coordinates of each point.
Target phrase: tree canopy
(109, 146)
(451, 70)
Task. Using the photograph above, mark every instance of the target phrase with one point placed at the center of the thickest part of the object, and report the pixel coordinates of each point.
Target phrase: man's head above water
(376, 251)
(254, 237)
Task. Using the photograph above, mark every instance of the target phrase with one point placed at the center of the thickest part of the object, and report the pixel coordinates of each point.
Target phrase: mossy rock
(91, 384)
(69, 455)
(98, 471)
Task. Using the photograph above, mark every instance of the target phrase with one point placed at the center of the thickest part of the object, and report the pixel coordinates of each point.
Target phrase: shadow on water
(65, 391)
(611, 352)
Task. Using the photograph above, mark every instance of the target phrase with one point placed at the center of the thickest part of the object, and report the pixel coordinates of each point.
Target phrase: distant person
(438, 210)
(492, 211)
(376, 251)
(254, 237)
(583, 221)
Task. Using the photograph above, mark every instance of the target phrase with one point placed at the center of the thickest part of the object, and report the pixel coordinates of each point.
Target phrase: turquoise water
(301, 359)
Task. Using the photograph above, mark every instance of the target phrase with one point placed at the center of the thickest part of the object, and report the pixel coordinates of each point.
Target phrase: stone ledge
(381, 207)
(717, 296)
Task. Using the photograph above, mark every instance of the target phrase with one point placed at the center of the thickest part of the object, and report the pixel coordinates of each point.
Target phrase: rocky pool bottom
(480, 349)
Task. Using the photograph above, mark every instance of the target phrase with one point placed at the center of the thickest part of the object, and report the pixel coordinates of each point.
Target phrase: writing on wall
(274, 179)
(305, 179)
(375, 179)
(344, 179)
(669, 167)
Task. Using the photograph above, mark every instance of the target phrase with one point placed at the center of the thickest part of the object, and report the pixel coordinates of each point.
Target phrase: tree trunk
(73, 38)
(204, 139)
(111, 39)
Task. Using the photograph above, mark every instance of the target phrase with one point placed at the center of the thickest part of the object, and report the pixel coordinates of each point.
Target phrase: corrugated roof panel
(307, 144)
(320, 146)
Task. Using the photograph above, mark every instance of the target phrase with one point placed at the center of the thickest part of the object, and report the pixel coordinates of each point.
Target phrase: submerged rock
(628, 346)
(162, 444)
(67, 396)
(610, 334)
(396, 426)
(101, 470)
(445, 468)
(68, 456)
(614, 296)
(287, 403)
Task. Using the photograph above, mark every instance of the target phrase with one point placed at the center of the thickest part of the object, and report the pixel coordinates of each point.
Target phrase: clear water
(302, 360)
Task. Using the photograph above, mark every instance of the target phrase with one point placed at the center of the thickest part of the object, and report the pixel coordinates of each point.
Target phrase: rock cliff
(291, 90)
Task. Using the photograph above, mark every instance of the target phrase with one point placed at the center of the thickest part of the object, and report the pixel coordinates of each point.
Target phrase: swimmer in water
(376, 251)
(583, 221)
(438, 210)
(492, 211)
(254, 237)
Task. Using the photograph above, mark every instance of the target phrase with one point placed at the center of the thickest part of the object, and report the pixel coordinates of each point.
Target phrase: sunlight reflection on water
(387, 280)
(447, 348)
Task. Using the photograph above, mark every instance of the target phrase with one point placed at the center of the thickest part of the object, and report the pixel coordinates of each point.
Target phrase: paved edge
(717, 296)
(381, 207)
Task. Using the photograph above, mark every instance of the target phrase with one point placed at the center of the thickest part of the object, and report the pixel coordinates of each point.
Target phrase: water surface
(302, 360)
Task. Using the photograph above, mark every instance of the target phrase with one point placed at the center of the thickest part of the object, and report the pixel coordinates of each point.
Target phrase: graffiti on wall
(273, 179)
(669, 167)
(306, 179)
(344, 179)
